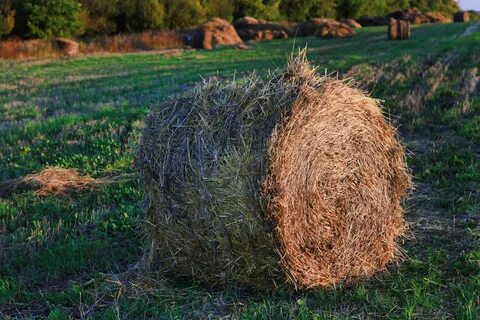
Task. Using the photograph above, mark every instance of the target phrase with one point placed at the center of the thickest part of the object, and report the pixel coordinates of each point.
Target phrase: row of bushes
(66, 18)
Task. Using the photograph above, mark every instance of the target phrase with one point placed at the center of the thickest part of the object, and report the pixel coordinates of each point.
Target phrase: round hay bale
(399, 29)
(213, 33)
(249, 28)
(325, 28)
(352, 23)
(67, 47)
(461, 16)
(367, 21)
(245, 22)
(295, 179)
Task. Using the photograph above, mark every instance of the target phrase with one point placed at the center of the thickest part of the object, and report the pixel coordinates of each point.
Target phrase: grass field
(77, 256)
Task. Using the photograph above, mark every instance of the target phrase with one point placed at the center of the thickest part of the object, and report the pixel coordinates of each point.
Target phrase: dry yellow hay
(296, 179)
(54, 181)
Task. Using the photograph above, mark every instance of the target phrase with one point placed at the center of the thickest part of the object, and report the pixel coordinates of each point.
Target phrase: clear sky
(470, 4)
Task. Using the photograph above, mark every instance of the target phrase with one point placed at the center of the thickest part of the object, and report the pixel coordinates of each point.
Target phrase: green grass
(65, 257)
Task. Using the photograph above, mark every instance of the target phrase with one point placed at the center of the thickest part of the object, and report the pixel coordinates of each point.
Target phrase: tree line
(66, 18)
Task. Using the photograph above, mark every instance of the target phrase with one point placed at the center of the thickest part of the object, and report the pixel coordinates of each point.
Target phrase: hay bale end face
(461, 16)
(399, 29)
(295, 179)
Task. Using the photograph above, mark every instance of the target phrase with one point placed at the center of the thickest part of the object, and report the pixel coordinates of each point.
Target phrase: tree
(219, 8)
(139, 15)
(357, 8)
(7, 17)
(260, 9)
(326, 9)
(53, 18)
(301, 10)
(448, 7)
(181, 14)
(98, 16)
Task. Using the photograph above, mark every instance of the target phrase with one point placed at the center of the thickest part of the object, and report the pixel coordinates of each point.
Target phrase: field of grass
(77, 256)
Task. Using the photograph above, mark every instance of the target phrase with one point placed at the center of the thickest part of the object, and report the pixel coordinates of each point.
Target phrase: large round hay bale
(295, 179)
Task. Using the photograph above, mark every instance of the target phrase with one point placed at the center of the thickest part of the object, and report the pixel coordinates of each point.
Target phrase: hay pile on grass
(297, 178)
(55, 181)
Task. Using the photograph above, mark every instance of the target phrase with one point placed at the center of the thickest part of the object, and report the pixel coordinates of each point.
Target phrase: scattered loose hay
(297, 178)
(54, 181)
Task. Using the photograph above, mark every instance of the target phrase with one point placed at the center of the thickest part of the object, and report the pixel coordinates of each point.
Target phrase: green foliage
(448, 7)
(219, 8)
(7, 17)
(139, 15)
(357, 8)
(301, 10)
(260, 9)
(47, 18)
(181, 14)
(98, 16)
(53, 18)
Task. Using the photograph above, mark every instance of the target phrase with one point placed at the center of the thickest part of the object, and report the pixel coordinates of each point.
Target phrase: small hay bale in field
(461, 16)
(324, 28)
(68, 47)
(296, 178)
(214, 33)
(399, 29)
(249, 28)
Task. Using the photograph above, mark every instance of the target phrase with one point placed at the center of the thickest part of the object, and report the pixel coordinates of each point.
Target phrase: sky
(470, 4)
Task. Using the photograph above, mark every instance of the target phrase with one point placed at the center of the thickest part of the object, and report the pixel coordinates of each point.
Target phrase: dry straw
(294, 179)
(56, 181)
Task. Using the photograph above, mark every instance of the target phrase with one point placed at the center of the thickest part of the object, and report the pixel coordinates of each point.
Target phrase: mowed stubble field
(77, 256)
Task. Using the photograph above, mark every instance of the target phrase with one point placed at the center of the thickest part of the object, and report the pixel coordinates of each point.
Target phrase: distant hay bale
(352, 23)
(324, 28)
(68, 47)
(399, 29)
(461, 16)
(296, 179)
(214, 33)
(249, 28)
(415, 16)
(367, 21)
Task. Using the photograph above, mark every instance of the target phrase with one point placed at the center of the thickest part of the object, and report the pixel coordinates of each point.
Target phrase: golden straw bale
(293, 179)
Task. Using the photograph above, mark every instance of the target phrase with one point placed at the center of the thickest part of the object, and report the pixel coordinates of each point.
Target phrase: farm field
(77, 256)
